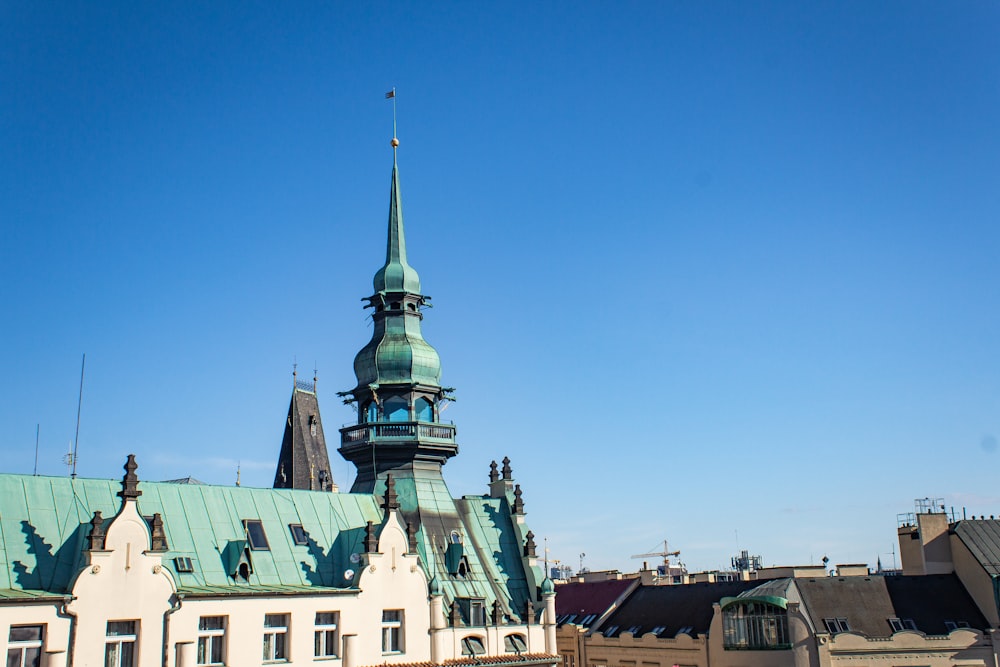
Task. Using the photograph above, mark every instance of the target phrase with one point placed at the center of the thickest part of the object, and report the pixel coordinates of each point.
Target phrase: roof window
(686, 630)
(900, 624)
(255, 533)
(183, 564)
(634, 629)
(299, 534)
(835, 625)
(955, 625)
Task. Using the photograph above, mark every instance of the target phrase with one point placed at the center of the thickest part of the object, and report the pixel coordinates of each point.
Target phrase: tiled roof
(672, 608)
(869, 602)
(982, 537)
(582, 603)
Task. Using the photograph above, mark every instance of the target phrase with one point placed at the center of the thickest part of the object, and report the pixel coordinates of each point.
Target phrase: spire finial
(130, 481)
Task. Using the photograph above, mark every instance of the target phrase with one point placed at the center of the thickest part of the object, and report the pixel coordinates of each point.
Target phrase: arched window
(473, 646)
(396, 409)
(424, 410)
(370, 412)
(753, 624)
(515, 644)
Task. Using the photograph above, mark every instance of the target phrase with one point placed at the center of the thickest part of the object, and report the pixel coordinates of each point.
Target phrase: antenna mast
(79, 406)
(37, 429)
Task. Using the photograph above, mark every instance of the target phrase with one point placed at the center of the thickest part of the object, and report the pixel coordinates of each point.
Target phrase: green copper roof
(396, 275)
(44, 522)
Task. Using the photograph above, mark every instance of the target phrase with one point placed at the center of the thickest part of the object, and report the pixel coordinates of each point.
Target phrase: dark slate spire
(130, 482)
(303, 462)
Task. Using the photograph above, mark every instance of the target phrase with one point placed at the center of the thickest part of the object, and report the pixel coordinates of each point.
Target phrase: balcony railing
(376, 431)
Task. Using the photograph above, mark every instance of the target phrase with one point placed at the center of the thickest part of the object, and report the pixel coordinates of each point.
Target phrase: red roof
(589, 598)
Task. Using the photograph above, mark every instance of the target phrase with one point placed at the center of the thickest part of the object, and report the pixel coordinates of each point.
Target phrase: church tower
(303, 462)
(399, 392)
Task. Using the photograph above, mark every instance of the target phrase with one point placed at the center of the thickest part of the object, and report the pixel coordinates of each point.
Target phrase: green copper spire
(396, 275)
(397, 352)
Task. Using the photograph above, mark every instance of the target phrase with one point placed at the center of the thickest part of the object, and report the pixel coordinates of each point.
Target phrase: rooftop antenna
(37, 428)
(237, 473)
(79, 406)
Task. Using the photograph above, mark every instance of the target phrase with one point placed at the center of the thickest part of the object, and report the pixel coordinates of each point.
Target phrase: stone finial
(518, 503)
(494, 475)
(371, 543)
(497, 613)
(159, 537)
(506, 468)
(95, 541)
(411, 538)
(456, 615)
(529, 616)
(529, 545)
(391, 502)
(130, 482)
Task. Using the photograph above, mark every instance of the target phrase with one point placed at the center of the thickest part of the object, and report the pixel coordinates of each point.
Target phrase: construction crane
(665, 554)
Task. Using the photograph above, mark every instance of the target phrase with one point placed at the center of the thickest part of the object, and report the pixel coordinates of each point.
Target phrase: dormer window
(256, 535)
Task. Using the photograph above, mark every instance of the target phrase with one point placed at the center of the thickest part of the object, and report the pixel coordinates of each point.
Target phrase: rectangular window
(275, 637)
(326, 634)
(392, 631)
(835, 625)
(515, 644)
(24, 645)
(183, 564)
(474, 611)
(119, 644)
(256, 535)
(211, 640)
(299, 534)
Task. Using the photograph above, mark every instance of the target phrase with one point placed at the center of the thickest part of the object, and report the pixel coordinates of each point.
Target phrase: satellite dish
(348, 574)
(355, 558)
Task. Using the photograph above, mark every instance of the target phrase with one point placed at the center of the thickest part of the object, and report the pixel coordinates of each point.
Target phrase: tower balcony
(390, 432)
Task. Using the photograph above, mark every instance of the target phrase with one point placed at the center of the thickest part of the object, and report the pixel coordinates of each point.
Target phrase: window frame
(509, 643)
(278, 635)
(392, 632)
(297, 538)
(121, 640)
(473, 646)
(23, 647)
(252, 536)
(210, 638)
(321, 636)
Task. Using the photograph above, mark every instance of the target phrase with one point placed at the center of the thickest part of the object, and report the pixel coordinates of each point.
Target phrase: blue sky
(720, 273)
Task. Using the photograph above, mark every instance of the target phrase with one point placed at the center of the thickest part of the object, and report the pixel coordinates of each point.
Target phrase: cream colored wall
(962, 647)
(54, 641)
(123, 582)
(127, 582)
(645, 651)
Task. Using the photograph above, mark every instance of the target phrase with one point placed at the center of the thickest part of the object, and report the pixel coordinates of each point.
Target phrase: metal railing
(396, 430)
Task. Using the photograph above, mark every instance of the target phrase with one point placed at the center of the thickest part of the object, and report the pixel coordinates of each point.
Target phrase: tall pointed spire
(398, 375)
(397, 275)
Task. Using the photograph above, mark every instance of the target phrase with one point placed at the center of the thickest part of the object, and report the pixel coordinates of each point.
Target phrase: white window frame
(392, 632)
(118, 641)
(275, 650)
(322, 634)
(20, 647)
(207, 638)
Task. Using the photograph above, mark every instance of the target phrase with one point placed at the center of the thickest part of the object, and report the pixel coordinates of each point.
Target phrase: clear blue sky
(720, 273)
